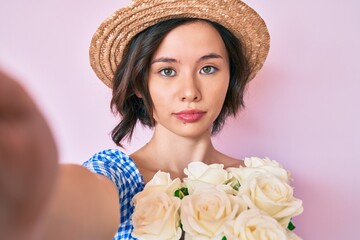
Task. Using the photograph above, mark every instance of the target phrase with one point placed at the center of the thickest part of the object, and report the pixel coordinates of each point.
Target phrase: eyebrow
(210, 56)
(164, 60)
(172, 60)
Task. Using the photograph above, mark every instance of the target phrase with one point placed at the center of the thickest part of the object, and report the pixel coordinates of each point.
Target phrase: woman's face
(188, 79)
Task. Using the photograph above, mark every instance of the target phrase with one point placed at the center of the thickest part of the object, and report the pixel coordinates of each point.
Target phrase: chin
(194, 132)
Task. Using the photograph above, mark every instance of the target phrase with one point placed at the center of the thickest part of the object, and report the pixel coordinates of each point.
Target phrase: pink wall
(301, 109)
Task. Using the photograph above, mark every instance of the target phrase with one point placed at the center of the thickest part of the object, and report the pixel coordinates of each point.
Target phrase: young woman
(178, 67)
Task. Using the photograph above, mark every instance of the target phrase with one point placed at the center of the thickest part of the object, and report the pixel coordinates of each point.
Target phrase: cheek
(159, 98)
(219, 100)
(218, 92)
(154, 94)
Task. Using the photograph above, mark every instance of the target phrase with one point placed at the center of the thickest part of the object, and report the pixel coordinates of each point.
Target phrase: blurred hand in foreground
(28, 162)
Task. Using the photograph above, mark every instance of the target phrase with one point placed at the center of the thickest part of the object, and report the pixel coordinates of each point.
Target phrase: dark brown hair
(131, 77)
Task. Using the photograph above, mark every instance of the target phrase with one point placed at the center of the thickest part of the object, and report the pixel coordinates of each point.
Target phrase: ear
(138, 94)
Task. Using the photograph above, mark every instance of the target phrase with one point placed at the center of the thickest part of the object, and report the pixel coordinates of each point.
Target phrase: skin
(41, 199)
(28, 160)
(189, 70)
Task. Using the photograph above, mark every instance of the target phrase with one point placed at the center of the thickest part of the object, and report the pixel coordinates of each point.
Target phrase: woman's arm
(84, 205)
(40, 199)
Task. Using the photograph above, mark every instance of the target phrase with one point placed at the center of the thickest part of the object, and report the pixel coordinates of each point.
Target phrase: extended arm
(40, 199)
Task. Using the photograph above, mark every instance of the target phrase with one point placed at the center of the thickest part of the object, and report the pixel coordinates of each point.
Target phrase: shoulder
(116, 165)
(111, 154)
(111, 158)
(228, 161)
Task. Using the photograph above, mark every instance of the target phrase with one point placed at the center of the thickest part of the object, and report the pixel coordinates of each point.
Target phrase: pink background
(301, 109)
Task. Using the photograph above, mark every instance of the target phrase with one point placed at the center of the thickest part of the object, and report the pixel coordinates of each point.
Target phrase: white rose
(272, 195)
(163, 182)
(156, 216)
(255, 165)
(200, 175)
(254, 224)
(204, 213)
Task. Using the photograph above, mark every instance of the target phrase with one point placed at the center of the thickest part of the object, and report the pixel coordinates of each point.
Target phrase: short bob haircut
(132, 76)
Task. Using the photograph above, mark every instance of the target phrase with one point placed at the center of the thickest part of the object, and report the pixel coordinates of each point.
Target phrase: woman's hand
(40, 199)
(28, 162)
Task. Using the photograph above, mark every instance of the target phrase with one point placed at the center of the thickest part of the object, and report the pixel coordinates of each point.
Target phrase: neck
(172, 153)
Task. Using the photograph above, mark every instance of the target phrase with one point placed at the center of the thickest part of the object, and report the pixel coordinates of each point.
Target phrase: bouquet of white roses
(213, 203)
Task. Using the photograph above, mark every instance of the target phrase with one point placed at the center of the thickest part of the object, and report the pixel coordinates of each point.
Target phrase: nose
(190, 91)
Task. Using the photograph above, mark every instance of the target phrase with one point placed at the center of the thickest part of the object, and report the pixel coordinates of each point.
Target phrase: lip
(189, 116)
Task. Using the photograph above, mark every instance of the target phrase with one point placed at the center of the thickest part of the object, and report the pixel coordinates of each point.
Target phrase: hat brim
(115, 33)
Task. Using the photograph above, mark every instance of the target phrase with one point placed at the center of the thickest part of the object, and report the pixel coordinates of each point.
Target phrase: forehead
(193, 38)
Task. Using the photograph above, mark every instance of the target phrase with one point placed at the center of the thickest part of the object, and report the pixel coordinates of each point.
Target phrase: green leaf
(224, 238)
(181, 193)
(177, 193)
(291, 226)
(233, 183)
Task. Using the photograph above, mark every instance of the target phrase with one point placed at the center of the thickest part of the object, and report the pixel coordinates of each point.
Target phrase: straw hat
(114, 34)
